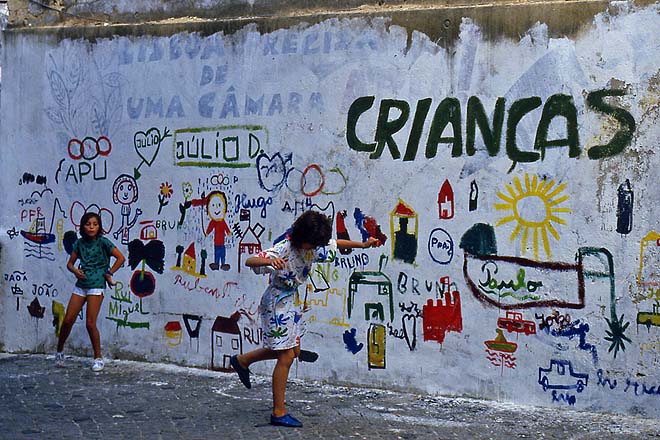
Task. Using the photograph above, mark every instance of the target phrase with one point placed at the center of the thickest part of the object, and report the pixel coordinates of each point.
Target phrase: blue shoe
(243, 373)
(308, 356)
(286, 420)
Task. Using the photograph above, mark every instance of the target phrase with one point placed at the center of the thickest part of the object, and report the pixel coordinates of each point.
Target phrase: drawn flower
(187, 189)
(165, 192)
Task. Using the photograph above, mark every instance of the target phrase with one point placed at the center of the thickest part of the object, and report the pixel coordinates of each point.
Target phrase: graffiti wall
(511, 186)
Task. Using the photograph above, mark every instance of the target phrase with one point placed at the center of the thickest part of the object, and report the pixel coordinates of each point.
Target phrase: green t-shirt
(94, 258)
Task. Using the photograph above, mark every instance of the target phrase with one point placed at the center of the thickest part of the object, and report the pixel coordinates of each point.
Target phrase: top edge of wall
(496, 18)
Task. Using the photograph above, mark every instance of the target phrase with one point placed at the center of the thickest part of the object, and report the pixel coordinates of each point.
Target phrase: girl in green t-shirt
(94, 271)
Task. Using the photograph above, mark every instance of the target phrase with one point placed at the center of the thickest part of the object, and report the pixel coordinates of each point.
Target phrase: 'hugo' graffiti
(242, 201)
(448, 112)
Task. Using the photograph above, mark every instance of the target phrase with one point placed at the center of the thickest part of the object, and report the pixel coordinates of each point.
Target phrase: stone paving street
(156, 401)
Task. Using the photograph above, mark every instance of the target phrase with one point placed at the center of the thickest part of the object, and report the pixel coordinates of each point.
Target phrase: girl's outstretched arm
(276, 263)
(350, 244)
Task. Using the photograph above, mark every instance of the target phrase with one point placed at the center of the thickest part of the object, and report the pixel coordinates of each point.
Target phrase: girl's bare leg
(72, 309)
(280, 375)
(260, 354)
(93, 308)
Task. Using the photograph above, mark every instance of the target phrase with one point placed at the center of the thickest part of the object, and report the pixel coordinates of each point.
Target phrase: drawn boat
(37, 233)
(501, 344)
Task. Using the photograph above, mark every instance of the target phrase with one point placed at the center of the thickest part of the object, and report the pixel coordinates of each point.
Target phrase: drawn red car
(514, 322)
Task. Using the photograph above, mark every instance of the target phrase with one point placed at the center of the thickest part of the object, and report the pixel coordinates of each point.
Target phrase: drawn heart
(409, 323)
(107, 218)
(271, 171)
(147, 144)
(78, 209)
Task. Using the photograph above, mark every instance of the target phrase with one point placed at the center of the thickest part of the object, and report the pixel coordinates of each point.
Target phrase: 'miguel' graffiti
(448, 112)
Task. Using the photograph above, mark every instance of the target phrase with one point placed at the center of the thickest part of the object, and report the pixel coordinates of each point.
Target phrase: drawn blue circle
(440, 246)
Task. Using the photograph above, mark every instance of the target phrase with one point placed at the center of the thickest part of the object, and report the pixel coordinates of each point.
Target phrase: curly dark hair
(311, 227)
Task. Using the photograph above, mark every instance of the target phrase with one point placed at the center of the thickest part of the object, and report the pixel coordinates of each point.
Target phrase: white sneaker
(98, 365)
(59, 359)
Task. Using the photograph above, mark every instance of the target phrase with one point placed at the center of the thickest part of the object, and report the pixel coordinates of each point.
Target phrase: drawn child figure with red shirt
(216, 205)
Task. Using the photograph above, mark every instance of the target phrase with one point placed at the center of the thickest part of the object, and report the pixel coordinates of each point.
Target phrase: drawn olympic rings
(89, 148)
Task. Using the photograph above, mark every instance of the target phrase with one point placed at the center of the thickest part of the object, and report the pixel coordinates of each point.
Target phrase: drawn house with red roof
(403, 220)
(148, 231)
(189, 264)
(226, 341)
(249, 244)
(187, 261)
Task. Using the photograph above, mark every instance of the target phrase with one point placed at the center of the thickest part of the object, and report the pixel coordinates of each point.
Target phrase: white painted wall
(290, 92)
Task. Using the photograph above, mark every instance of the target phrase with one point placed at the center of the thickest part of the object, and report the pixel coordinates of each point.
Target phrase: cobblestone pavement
(155, 401)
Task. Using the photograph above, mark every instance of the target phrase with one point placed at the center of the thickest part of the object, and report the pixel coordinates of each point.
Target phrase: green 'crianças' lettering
(395, 114)
(621, 138)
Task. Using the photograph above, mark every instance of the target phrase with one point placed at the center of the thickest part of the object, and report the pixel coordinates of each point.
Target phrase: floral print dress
(281, 306)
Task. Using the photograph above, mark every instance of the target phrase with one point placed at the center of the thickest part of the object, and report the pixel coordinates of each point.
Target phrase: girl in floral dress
(289, 264)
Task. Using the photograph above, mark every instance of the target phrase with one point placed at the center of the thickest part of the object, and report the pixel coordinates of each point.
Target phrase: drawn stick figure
(124, 193)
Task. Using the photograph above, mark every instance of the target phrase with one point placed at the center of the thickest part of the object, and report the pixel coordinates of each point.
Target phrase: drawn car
(560, 376)
(514, 322)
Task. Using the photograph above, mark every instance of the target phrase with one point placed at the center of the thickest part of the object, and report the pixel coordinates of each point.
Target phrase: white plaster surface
(292, 90)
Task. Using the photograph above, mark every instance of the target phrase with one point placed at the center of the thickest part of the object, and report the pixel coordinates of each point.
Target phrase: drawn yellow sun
(534, 208)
